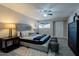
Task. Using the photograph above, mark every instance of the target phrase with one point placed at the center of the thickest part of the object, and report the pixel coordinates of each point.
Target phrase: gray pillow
(54, 39)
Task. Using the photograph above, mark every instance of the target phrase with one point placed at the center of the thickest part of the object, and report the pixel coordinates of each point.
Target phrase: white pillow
(24, 34)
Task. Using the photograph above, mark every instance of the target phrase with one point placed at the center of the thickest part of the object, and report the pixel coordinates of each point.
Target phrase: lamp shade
(10, 25)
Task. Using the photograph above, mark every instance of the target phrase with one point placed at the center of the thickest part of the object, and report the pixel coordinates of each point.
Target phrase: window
(44, 25)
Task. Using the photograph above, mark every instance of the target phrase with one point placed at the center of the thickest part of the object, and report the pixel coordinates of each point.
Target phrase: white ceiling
(33, 10)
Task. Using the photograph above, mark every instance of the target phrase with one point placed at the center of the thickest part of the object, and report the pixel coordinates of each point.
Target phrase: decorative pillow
(45, 39)
(24, 33)
(39, 37)
(54, 39)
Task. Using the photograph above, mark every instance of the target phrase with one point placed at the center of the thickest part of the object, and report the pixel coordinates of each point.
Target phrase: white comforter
(29, 37)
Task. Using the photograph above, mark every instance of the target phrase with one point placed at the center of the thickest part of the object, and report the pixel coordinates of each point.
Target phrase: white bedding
(29, 37)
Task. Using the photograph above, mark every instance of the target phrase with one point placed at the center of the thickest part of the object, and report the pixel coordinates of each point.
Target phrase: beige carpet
(32, 52)
(21, 51)
(64, 50)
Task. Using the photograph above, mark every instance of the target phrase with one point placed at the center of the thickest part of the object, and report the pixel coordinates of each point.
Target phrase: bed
(35, 43)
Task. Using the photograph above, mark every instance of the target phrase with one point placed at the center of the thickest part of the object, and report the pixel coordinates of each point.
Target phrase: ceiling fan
(47, 12)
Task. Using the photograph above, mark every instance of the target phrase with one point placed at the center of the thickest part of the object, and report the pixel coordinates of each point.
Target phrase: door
(59, 29)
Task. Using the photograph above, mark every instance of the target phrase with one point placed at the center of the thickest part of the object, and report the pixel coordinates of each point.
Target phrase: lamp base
(10, 32)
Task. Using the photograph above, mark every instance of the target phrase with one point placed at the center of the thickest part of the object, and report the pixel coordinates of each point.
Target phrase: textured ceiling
(33, 9)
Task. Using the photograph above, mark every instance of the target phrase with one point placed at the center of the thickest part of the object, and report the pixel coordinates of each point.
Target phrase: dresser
(0, 43)
(8, 44)
(73, 36)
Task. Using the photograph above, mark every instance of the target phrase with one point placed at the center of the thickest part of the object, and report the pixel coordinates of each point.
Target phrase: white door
(59, 29)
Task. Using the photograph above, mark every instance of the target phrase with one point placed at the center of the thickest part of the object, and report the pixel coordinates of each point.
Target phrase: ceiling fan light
(45, 15)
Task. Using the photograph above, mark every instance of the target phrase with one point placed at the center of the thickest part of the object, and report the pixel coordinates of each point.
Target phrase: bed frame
(43, 47)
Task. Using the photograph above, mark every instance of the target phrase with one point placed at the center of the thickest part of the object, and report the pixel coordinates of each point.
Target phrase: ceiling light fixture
(47, 12)
(45, 15)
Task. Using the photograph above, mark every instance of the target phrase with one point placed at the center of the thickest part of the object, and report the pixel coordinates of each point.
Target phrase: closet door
(59, 29)
(72, 36)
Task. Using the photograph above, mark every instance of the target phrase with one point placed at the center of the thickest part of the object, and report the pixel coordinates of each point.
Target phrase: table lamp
(10, 26)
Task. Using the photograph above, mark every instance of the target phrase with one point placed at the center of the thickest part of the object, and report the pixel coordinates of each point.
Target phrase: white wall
(66, 28)
(9, 16)
(70, 19)
(58, 28)
(52, 28)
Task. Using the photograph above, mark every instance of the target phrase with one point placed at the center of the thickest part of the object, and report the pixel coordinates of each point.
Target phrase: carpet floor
(64, 50)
